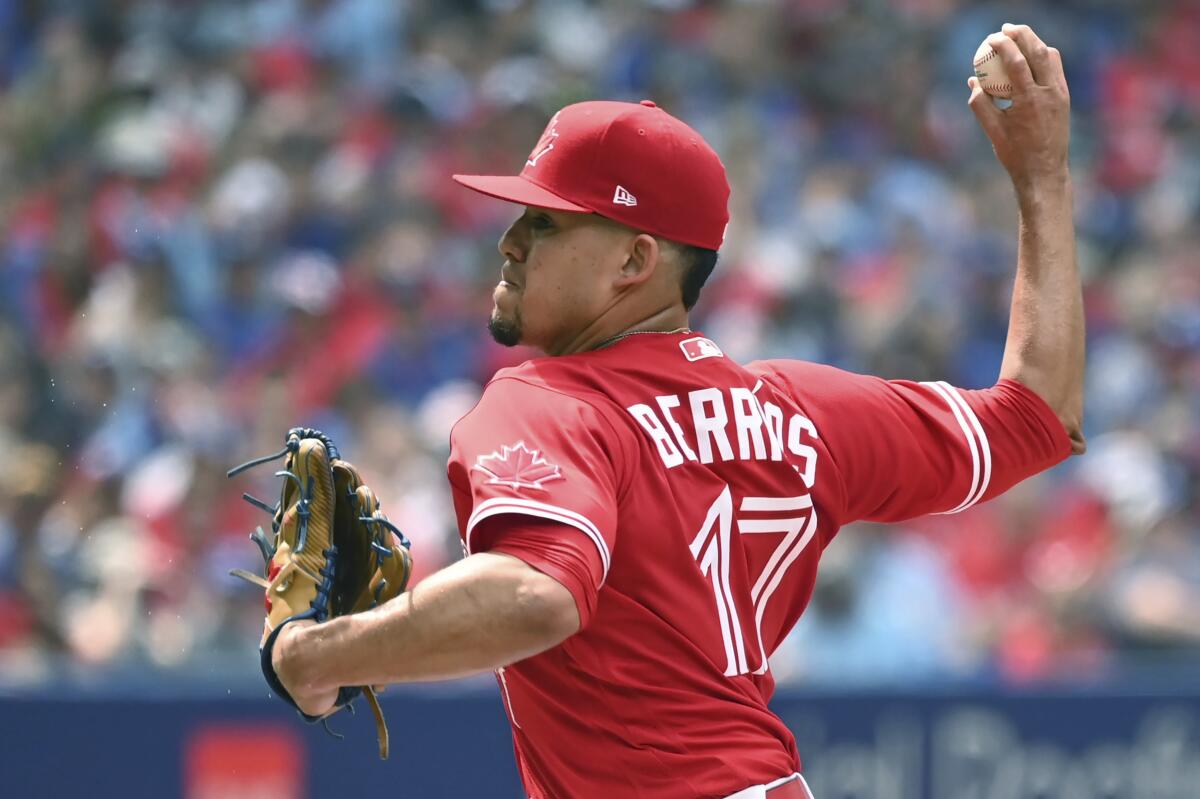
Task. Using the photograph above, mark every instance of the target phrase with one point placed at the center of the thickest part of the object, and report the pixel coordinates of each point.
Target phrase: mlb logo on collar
(699, 347)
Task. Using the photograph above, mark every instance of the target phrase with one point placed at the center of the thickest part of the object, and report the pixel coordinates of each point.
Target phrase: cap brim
(516, 189)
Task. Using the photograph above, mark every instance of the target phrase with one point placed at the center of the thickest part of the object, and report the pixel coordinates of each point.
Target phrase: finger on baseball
(1036, 53)
(984, 109)
(1014, 62)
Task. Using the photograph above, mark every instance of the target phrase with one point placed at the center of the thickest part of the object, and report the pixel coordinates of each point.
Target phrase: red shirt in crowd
(685, 500)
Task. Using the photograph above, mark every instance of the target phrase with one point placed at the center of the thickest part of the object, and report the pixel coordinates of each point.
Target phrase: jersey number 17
(792, 517)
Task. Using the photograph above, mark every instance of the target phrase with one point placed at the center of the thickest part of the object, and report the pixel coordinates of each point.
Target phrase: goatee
(505, 331)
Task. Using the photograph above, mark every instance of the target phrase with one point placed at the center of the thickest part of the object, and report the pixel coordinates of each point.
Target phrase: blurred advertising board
(1126, 743)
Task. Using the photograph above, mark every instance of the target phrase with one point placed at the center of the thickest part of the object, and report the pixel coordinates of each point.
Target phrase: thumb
(986, 112)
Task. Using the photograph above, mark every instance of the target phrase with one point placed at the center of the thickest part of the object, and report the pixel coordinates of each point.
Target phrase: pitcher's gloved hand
(331, 552)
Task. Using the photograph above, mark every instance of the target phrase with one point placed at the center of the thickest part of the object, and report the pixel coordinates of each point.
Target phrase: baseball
(990, 72)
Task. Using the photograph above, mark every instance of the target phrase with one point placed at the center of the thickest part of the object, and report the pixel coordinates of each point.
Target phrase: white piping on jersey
(984, 445)
(507, 699)
(760, 791)
(528, 507)
(973, 432)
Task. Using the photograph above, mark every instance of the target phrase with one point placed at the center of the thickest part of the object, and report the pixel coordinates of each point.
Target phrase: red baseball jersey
(685, 500)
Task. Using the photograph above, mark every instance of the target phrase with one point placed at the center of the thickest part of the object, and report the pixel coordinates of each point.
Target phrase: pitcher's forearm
(1045, 346)
(486, 611)
(1031, 138)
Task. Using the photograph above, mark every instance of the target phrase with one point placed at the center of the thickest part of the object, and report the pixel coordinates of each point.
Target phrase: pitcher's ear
(642, 259)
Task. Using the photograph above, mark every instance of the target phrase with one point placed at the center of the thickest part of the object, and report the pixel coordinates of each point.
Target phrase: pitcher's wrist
(1037, 190)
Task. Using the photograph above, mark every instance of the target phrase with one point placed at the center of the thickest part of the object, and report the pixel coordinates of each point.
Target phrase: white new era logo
(623, 197)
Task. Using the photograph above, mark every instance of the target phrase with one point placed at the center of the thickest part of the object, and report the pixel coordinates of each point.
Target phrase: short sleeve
(552, 548)
(534, 451)
(905, 449)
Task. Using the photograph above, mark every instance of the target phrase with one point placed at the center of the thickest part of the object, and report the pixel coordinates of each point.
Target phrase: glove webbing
(346, 694)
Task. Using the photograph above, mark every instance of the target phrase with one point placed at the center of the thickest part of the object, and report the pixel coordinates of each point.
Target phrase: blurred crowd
(221, 219)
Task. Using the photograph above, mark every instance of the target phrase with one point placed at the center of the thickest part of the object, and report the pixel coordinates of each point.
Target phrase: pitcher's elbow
(1078, 442)
(1073, 424)
(1065, 399)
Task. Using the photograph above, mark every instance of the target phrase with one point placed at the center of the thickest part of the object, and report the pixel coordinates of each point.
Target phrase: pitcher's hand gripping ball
(990, 71)
(331, 552)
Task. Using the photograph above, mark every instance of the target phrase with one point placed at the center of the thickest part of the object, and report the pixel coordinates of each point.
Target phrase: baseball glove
(331, 552)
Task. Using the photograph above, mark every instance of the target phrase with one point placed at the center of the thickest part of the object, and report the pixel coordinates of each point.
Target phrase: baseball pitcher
(643, 516)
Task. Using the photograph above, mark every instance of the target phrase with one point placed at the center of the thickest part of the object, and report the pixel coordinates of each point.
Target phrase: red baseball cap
(630, 162)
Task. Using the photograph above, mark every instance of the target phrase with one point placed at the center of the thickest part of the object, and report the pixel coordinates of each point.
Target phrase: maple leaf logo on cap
(546, 143)
(517, 466)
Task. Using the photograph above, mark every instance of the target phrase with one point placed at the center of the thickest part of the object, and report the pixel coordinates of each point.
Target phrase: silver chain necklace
(608, 342)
